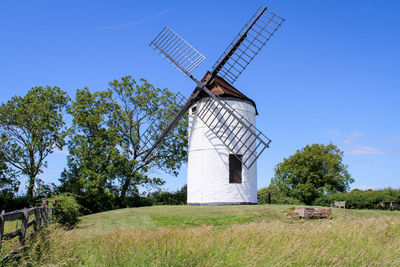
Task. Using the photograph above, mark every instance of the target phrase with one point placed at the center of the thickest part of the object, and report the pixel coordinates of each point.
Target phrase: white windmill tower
(224, 142)
(215, 174)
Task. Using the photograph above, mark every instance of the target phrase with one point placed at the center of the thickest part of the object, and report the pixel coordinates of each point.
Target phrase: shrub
(90, 202)
(169, 198)
(9, 202)
(357, 199)
(136, 201)
(277, 197)
(66, 210)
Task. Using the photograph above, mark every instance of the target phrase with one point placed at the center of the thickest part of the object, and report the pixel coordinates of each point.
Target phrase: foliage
(66, 210)
(43, 190)
(277, 197)
(9, 202)
(92, 152)
(136, 105)
(169, 198)
(31, 127)
(138, 201)
(9, 184)
(105, 162)
(311, 172)
(358, 199)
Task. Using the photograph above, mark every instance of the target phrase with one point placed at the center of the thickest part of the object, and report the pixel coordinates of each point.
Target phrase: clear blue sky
(330, 74)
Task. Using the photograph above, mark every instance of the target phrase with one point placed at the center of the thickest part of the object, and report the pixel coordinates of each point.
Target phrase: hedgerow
(358, 199)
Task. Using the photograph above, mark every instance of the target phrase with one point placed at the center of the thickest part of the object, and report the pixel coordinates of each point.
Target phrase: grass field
(221, 236)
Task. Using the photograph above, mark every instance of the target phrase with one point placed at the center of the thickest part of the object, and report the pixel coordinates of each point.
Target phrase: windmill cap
(222, 88)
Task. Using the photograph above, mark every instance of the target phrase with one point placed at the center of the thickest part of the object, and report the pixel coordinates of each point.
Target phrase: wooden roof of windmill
(224, 89)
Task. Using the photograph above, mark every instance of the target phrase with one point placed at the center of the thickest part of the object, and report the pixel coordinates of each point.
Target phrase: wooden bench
(339, 204)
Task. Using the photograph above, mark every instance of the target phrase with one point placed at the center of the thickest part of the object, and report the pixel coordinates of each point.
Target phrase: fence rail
(40, 220)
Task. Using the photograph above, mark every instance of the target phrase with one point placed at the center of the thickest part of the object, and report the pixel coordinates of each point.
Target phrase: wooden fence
(41, 219)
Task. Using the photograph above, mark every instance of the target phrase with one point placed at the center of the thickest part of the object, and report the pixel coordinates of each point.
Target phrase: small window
(194, 110)
(235, 169)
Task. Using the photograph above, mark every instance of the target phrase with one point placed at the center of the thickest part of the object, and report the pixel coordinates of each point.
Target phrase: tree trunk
(32, 176)
(124, 189)
(31, 185)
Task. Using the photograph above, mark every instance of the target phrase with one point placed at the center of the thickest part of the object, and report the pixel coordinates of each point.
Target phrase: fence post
(37, 220)
(40, 217)
(24, 226)
(51, 212)
(1, 227)
(45, 213)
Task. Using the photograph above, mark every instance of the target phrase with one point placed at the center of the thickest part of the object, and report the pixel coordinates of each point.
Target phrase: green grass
(185, 216)
(221, 236)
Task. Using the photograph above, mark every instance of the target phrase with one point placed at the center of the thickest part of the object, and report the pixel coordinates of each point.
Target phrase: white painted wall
(208, 164)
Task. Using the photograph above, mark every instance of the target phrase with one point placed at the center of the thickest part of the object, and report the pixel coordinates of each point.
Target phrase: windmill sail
(186, 58)
(235, 132)
(239, 135)
(160, 121)
(177, 51)
(247, 44)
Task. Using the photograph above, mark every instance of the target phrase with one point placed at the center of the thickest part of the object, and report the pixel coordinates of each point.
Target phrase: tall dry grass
(340, 242)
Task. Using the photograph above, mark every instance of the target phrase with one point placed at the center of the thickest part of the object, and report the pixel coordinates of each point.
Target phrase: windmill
(222, 132)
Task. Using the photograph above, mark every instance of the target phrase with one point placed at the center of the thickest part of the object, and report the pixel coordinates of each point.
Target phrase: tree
(31, 127)
(92, 151)
(105, 157)
(311, 172)
(134, 105)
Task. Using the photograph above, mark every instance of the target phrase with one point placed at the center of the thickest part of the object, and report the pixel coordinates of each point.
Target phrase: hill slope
(223, 236)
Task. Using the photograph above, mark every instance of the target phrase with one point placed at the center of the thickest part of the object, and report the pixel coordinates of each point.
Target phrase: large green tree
(105, 156)
(312, 171)
(135, 106)
(92, 151)
(31, 127)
